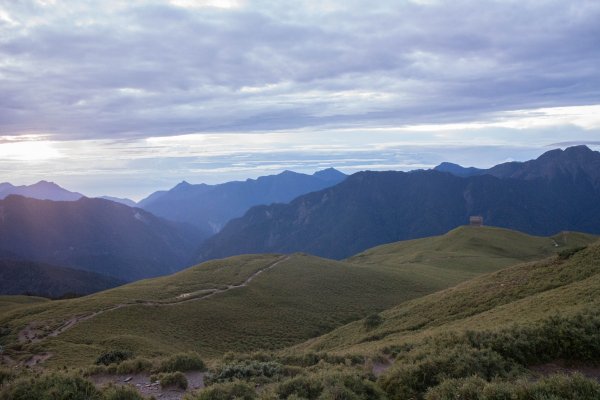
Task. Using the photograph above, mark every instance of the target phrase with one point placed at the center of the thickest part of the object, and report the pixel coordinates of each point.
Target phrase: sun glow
(29, 151)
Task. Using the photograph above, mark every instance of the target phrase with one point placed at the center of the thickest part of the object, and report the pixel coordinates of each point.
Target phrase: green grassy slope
(9, 302)
(293, 299)
(523, 294)
(301, 297)
(465, 252)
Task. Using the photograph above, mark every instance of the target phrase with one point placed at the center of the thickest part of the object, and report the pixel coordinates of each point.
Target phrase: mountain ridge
(371, 208)
(96, 235)
(210, 207)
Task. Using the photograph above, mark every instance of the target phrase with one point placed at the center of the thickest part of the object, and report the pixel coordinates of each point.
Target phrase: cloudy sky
(127, 97)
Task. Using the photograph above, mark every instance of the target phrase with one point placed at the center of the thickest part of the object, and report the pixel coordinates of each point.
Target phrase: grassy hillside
(524, 293)
(497, 336)
(480, 337)
(297, 298)
(222, 306)
(463, 253)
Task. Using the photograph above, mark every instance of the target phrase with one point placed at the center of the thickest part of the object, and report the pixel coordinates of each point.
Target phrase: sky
(128, 97)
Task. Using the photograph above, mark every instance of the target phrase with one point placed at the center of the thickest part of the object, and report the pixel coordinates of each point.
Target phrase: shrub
(51, 387)
(121, 393)
(113, 356)
(301, 386)
(182, 362)
(330, 386)
(248, 370)
(171, 379)
(570, 252)
(553, 387)
(412, 378)
(574, 338)
(226, 391)
(134, 366)
(373, 321)
(6, 375)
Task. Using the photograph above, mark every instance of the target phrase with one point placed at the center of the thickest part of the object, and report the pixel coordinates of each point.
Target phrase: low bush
(51, 387)
(134, 366)
(330, 386)
(121, 393)
(412, 377)
(301, 386)
(113, 357)
(182, 362)
(573, 338)
(372, 321)
(249, 370)
(570, 252)
(225, 391)
(556, 387)
(171, 379)
(6, 375)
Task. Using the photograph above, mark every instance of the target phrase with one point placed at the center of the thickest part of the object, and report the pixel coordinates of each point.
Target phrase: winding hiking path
(30, 333)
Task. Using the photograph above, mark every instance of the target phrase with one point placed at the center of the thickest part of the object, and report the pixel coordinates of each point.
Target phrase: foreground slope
(95, 235)
(522, 294)
(254, 302)
(244, 303)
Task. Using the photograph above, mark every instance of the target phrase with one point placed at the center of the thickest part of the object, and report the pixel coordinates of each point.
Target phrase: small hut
(476, 220)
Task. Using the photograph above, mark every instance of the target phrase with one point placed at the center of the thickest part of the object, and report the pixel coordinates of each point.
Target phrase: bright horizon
(124, 99)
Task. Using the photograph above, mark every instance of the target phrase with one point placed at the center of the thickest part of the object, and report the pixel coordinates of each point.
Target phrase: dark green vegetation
(558, 191)
(210, 207)
(63, 387)
(208, 309)
(171, 379)
(27, 277)
(94, 235)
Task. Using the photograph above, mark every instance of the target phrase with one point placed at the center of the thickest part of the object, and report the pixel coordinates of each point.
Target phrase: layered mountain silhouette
(210, 207)
(558, 191)
(95, 235)
(577, 162)
(43, 190)
(38, 279)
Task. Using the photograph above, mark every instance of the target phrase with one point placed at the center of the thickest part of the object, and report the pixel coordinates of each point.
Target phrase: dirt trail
(147, 388)
(31, 334)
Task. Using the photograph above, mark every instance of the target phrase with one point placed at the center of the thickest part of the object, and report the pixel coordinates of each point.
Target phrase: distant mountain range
(558, 191)
(577, 162)
(42, 190)
(38, 279)
(210, 207)
(95, 235)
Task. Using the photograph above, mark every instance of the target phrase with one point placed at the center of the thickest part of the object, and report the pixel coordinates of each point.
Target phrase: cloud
(81, 69)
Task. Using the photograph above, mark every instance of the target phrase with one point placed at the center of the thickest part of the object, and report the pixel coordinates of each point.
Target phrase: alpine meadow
(338, 200)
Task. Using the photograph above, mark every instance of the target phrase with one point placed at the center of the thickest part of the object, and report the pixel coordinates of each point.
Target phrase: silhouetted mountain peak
(458, 170)
(329, 174)
(42, 190)
(182, 185)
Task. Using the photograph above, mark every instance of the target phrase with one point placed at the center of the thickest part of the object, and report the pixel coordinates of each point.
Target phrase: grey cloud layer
(89, 69)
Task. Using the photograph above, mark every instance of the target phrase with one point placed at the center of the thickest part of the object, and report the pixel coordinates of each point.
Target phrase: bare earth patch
(146, 388)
